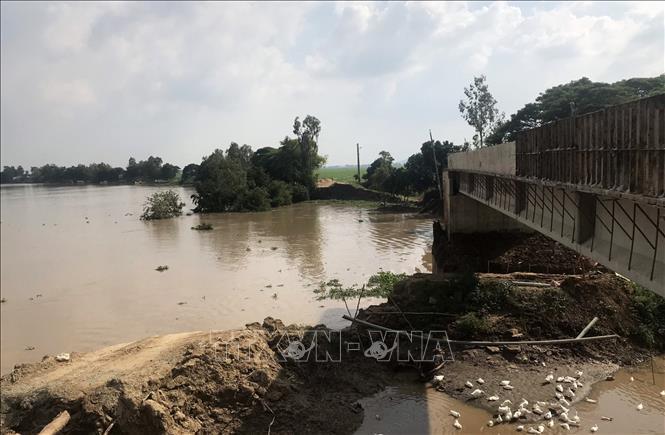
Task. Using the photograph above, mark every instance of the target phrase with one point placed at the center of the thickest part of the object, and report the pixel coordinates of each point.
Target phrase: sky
(89, 82)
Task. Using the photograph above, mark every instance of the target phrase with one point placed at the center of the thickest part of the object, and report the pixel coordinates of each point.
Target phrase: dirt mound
(344, 191)
(222, 382)
(560, 307)
(505, 252)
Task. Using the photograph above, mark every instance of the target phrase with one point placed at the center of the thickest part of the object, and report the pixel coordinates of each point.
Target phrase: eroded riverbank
(242, 381)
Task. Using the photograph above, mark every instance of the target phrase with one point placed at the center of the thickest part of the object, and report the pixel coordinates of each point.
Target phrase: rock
(62, 357)
(253, 326)
(493, 349)
(514, 348)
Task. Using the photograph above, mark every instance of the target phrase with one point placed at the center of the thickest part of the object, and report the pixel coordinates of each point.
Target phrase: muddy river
(410, 408)
(78, 266)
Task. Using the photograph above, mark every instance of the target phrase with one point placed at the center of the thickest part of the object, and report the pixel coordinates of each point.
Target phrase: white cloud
(102, 81)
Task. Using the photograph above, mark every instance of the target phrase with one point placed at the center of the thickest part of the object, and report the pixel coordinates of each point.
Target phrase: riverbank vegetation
(145, 171)
(240, 179)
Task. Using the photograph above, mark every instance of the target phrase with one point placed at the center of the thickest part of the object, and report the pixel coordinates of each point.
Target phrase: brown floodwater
(408, 407)
(77, 265)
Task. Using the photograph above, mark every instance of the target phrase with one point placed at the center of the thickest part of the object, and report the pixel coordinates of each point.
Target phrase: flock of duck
(564, 393)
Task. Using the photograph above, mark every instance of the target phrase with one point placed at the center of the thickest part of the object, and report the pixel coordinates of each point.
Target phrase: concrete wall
(462, 214)
(498, 159)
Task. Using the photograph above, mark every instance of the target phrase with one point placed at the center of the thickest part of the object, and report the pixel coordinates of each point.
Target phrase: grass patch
(344, 174)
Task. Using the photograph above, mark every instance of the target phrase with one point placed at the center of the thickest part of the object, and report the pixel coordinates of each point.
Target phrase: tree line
(480, 109)
(151, 170)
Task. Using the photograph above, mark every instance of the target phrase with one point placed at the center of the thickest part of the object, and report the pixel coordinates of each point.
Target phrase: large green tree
(581, 96)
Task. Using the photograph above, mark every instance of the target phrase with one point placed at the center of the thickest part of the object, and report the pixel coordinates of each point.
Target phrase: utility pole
(358, 158)
(436, 165)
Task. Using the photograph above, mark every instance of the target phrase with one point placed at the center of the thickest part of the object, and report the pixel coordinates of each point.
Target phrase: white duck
(506, 402)
(569, 393)
(559, 388)
(454, 413)
(503, 383)
(493, 398)
(508, 387)
(594, 428)
(541, 428)
(477, 392)
(490, 423)
(457, 424)
(519, 428)
(468, 384)
(560, 379)
(532, 430)
(481, 381)
(549, 378)
(662, 393)
(547, 415)
(565, 426)
(578, 373)
(438, 379)
(640, 407)
(550, 423)
(537, 410)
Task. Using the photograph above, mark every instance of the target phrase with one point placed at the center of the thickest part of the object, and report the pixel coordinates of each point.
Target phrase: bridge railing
(619, 148)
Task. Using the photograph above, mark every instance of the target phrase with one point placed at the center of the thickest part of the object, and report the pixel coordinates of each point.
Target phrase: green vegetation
(151, 170)
(650, 310)
(379, 285)
(243, 180)
(579, 97)
(479, 110)
(162, 205)
(471, 325)
(419, 173)
(344, 174)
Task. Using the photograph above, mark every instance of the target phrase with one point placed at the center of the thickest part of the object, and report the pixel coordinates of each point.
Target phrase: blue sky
(84, 82)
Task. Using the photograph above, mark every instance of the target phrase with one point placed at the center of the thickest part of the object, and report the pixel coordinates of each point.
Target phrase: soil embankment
(235, 381)
(228, 382)
(344, 191)
(505, 252)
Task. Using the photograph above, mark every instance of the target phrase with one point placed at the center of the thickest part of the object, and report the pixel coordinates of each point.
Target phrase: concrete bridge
(595, 183)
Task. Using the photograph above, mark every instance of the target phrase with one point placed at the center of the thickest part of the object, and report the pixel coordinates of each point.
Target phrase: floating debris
(606, 418)
(274, 295)
(274, 248)
(161, 268)
(62, 357)
(3, 300)
(203, 227)
(30, 348)
(590, 400)
(182, 303)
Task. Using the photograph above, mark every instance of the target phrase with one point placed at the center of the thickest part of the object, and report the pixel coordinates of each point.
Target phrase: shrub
(280, 193)
(299, 193)
(162, 205)
(470, 325)
(255, 199)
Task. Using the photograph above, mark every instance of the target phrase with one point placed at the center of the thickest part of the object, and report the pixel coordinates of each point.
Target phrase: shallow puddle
(408, 407)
